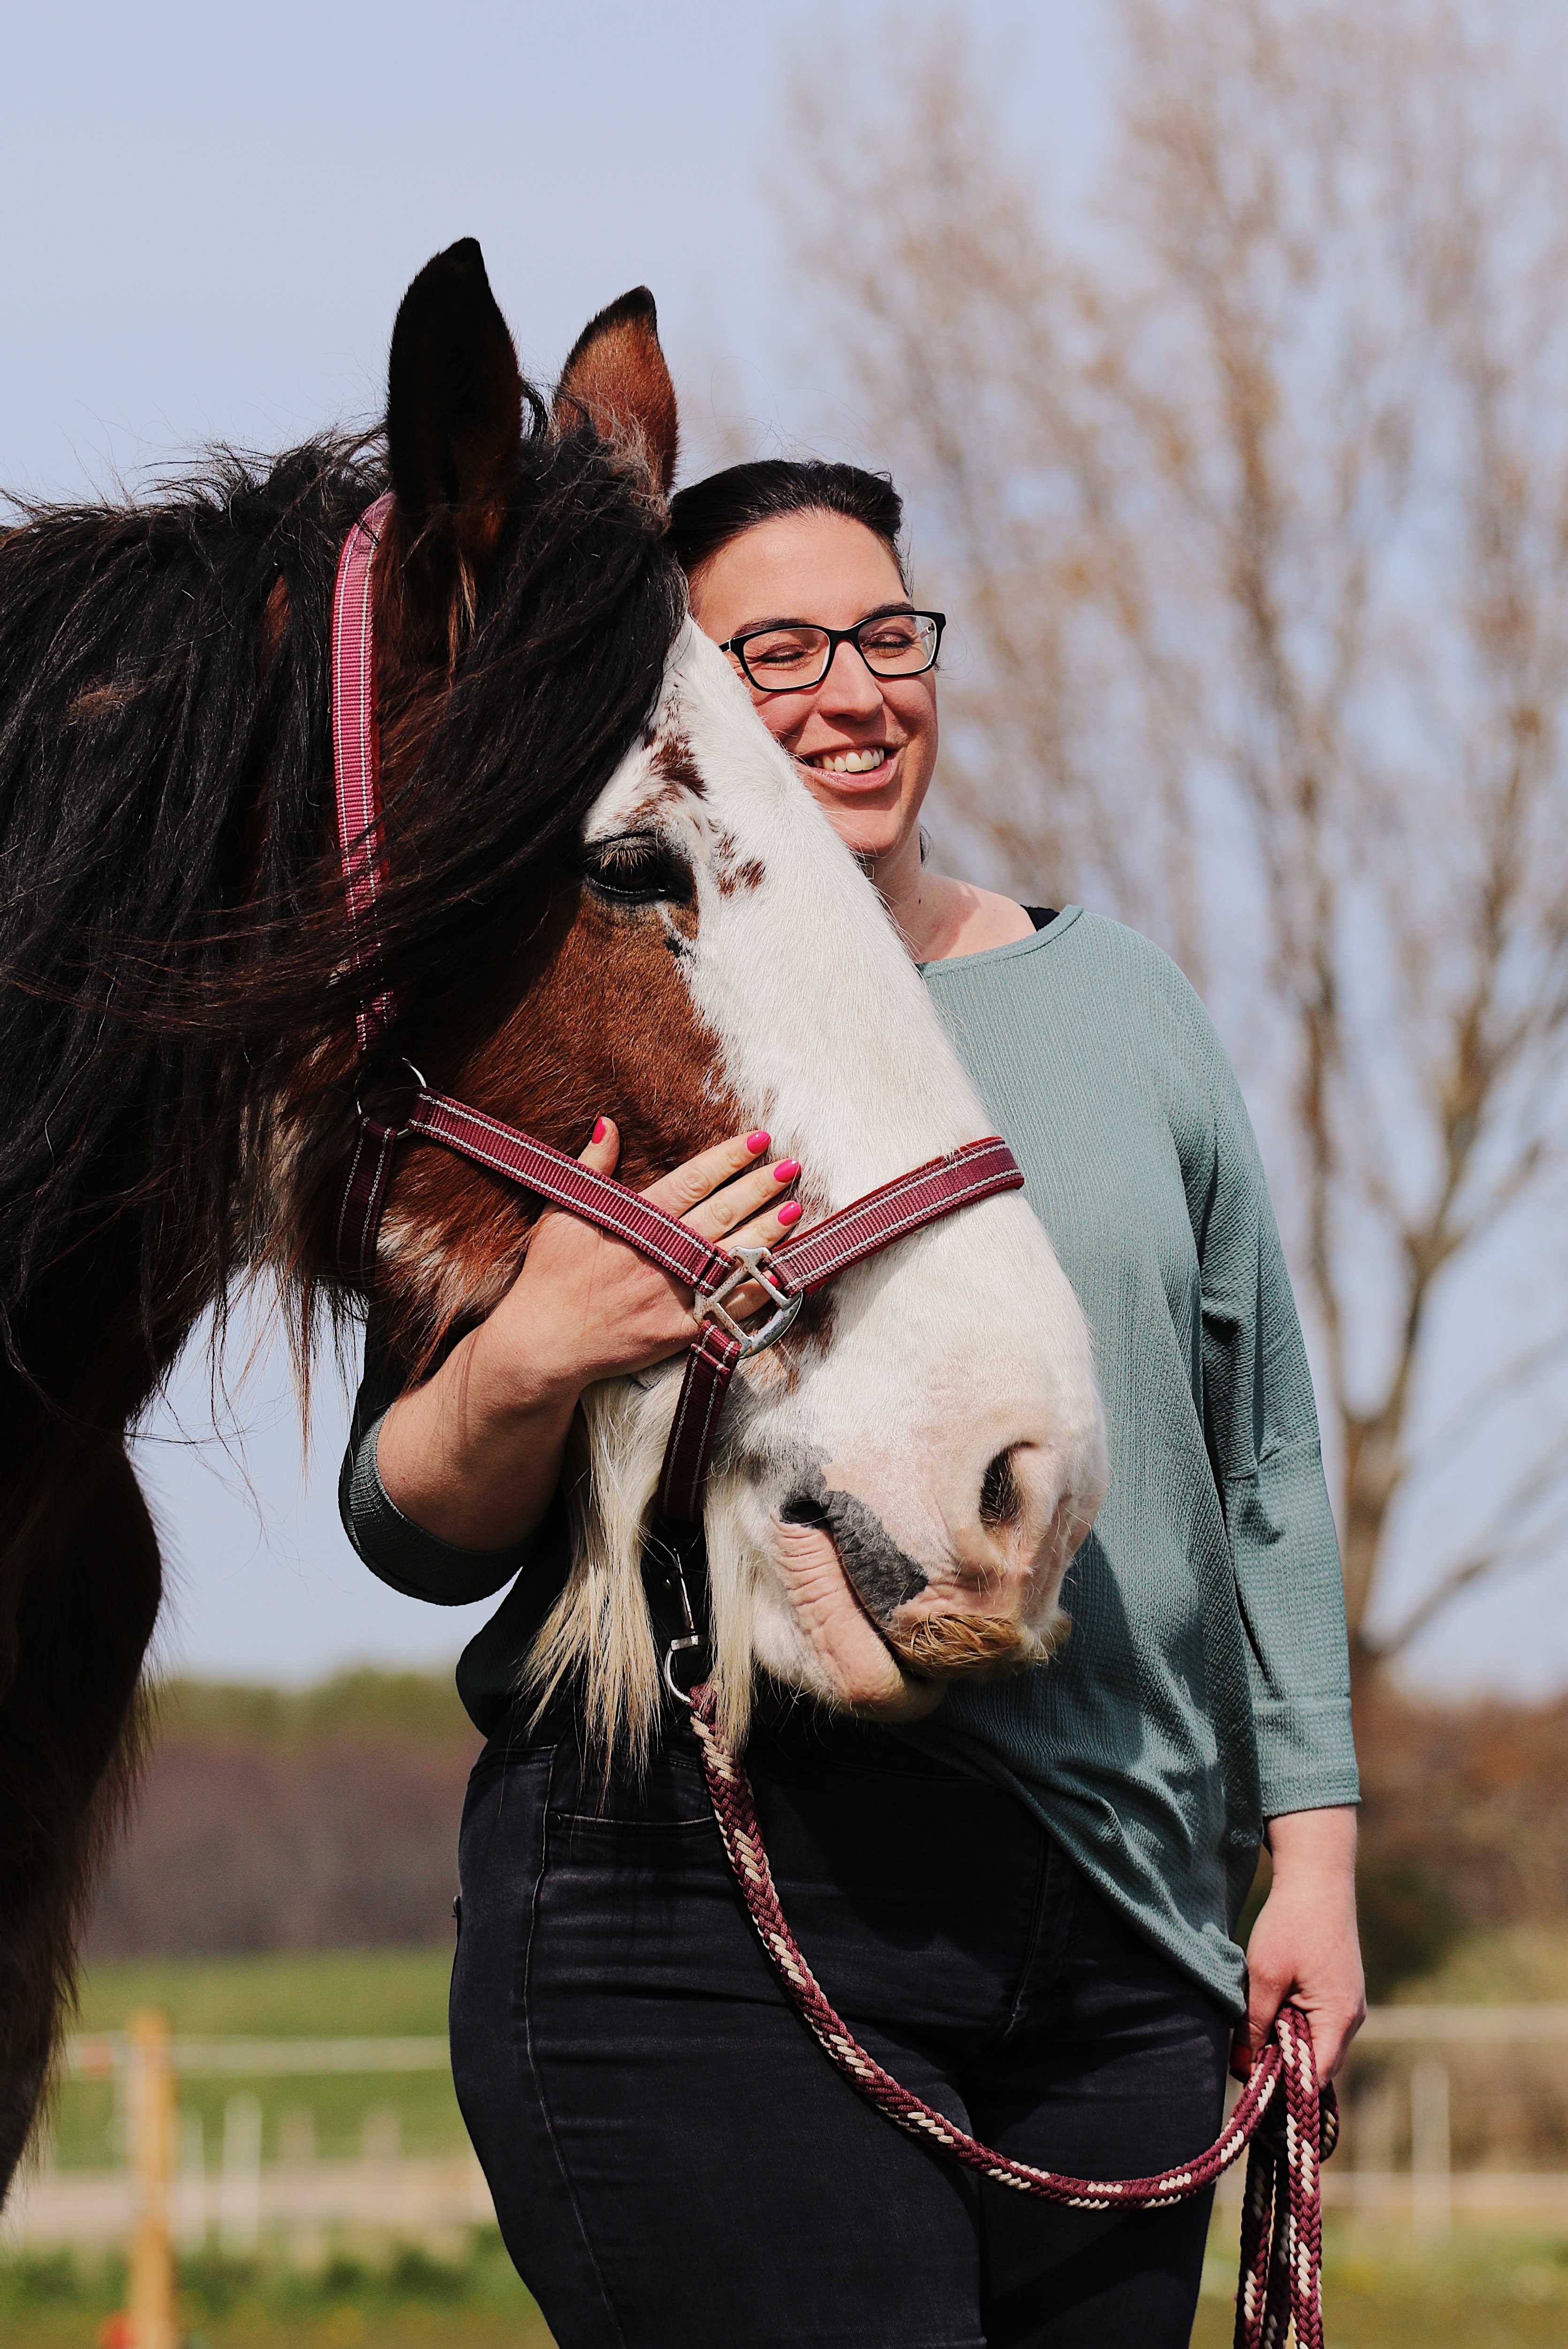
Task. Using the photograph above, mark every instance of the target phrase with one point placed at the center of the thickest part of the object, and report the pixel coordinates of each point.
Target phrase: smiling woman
(793, 591)
(1019, 1887)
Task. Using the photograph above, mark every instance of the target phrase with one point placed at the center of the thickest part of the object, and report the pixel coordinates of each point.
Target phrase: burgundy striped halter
(1282, 2216)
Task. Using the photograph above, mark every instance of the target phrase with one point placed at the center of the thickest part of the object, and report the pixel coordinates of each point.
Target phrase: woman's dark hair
(708, 514)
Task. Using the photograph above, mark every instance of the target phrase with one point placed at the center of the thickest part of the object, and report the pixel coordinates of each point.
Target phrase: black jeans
(672, 2156)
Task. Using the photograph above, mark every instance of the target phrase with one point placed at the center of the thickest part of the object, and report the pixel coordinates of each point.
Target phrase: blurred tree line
(319, 1818)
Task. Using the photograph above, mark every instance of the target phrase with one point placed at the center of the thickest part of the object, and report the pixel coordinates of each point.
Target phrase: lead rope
(1282, 2215)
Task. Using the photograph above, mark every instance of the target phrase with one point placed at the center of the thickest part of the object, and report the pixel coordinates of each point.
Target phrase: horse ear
(617, 380)
(454, 405)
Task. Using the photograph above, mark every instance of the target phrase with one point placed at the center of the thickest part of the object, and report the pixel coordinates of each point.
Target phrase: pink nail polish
(790, 1213)
(786, 1170)
(757, 1143)
(598, 1129)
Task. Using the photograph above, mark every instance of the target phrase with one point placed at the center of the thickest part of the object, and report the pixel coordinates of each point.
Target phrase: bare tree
(1251, 491)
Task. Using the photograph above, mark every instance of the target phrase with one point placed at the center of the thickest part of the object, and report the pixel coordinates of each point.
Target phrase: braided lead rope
(1280, 2261)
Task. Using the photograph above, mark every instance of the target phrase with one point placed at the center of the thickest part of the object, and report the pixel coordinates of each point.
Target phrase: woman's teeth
(847, 762)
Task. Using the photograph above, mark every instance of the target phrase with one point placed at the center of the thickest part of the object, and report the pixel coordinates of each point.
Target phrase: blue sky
(209, 219)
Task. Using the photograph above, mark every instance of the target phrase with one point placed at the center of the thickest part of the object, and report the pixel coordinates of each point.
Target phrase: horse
(602, 886)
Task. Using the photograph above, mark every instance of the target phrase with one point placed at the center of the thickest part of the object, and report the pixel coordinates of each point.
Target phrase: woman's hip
(648, 2105)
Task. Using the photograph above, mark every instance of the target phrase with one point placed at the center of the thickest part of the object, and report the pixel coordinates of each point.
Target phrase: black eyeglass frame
(837, 637)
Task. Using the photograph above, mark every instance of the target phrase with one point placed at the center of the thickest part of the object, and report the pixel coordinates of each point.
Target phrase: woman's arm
(1261, 1422)
(1305, 1945)
(474, 1455)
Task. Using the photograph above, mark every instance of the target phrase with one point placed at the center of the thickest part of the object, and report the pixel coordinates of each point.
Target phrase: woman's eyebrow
(797, 619)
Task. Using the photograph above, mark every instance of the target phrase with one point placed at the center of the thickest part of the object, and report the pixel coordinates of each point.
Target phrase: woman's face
(864, 745)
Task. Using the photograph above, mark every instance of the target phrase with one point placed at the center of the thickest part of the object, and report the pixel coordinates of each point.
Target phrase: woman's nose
(849, 686)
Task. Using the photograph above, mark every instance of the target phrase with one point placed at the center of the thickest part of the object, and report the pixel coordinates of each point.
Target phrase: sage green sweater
(1205, 1687)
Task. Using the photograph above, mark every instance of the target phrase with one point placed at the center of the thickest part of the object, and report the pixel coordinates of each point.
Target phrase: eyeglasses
(794, 658)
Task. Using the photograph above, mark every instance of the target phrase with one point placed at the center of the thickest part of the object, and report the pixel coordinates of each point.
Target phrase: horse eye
(638, 870)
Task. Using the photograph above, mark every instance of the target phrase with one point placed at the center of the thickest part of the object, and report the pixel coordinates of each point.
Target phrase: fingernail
(757, 1143)
(790, 1213)
(786, 1170)
(598, 1129)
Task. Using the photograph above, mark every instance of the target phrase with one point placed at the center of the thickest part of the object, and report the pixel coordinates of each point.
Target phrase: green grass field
(410, 2302)
(1481, 2292)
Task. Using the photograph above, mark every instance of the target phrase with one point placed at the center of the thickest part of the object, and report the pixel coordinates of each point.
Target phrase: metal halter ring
(752, 1264)
(391, 1070)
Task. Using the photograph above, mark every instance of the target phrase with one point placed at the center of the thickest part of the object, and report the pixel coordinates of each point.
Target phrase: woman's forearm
(1321, 1843)
(1303, 1945)
(473, 1457)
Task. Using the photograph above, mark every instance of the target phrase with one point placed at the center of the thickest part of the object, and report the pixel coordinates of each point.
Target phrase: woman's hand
(1305, 1945)
(588, 1307)
(474, 1456)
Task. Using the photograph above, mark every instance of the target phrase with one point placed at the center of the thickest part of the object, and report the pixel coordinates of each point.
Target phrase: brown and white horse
(605, 889)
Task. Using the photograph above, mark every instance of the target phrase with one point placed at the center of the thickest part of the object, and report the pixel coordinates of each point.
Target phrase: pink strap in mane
(356, 751)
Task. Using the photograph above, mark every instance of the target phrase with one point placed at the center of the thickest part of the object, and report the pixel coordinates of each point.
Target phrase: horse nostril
(1001, 1502)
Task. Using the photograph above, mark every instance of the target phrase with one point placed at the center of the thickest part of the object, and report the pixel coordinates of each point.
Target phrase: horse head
(703, 956)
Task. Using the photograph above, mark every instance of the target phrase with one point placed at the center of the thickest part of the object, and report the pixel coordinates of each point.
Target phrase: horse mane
(172, 947)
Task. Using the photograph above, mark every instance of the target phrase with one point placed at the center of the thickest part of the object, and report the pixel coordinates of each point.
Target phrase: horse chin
(958, 1645)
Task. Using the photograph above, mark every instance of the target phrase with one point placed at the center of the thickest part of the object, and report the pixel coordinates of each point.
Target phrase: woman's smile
(845, 762)
(852, 769)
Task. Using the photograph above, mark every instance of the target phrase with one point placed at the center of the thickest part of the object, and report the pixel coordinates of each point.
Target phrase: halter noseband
(786, 1274)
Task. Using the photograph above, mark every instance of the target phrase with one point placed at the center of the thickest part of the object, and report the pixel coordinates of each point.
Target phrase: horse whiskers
(979, 1646)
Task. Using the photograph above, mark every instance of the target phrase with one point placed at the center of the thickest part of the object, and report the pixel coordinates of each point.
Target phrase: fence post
(152, 2084)
(1431, 2156)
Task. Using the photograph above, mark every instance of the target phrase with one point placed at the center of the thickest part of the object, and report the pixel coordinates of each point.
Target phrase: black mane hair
(170, 915)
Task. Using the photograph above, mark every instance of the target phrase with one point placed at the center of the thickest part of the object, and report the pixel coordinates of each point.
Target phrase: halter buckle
(752, 1264)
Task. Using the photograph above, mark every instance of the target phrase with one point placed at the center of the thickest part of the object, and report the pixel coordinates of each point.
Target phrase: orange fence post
(152, 2117)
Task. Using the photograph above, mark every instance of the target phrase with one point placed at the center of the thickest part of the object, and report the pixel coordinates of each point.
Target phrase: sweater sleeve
(1260, 1424)
(400, 1552)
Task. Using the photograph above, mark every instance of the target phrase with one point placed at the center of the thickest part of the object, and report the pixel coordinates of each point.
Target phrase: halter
(1282, 2218)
